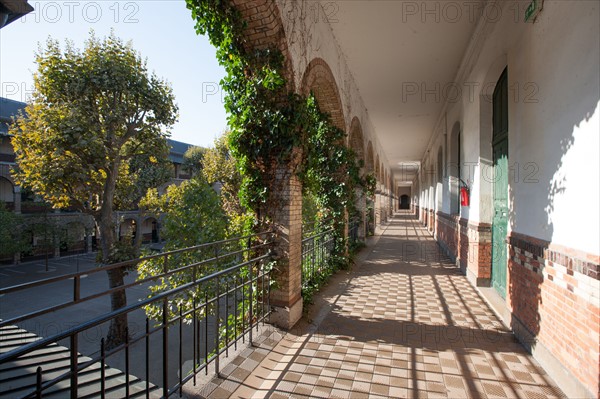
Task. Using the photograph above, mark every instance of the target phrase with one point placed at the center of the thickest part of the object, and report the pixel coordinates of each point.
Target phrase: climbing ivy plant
(270, 123)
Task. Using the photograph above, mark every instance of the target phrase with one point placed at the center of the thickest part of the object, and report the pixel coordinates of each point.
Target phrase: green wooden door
(500, 183)
(500, 217)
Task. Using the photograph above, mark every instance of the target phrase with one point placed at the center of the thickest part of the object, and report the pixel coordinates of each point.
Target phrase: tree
(145, 171)
(91, 112)
(219, 167)
(192, 215)
(11, 237)
(193, 159)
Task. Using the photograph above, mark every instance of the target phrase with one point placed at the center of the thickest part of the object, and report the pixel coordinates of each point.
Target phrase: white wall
(309, 38)
(554, 86)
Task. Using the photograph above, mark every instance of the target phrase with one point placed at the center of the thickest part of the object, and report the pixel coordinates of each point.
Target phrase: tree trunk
(118, 326)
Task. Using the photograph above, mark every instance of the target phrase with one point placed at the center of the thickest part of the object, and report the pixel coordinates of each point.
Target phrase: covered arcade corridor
(404, 323)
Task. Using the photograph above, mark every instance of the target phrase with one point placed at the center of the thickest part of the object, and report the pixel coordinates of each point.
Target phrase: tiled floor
(403, 323)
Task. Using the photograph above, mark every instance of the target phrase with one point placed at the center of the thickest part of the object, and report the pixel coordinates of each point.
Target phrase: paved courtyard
(404, 323)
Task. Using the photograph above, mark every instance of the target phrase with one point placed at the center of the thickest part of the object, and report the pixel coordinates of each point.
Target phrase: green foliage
(193, 159)
(220, 168)
(90, 111)
(11, 238)
(310, 212)
(268, 121)
(192, 215)
(271, 125)
(143, 171)
(191, 212)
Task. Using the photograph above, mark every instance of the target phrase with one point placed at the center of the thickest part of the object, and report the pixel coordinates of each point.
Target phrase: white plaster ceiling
(391, 46)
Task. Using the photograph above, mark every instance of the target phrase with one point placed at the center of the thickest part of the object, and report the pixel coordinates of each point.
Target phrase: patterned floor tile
(407, 324)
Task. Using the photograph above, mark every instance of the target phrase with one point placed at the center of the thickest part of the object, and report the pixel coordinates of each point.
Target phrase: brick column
(377, 207)
(286, 299)
(361, 205)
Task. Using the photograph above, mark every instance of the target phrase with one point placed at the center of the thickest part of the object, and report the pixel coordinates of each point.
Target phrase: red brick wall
(431, 222)
(447, 233)
(475, 249)
(554, 293)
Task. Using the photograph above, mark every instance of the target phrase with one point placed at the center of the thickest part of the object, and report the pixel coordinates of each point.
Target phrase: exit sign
(533, 9)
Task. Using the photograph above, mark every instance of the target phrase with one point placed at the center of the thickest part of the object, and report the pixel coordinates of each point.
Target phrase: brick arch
(355, 140)
(319, 80)
(370, 161)
(377, 169)
(5, 173)
(264, 29)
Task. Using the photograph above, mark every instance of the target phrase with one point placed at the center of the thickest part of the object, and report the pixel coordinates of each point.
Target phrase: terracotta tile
(358, 350)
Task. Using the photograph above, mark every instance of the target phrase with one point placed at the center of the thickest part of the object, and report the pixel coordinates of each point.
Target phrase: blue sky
(161, 30)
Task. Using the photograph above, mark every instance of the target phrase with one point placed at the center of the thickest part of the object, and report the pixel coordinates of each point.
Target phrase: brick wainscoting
(553, 294)
(468, 242)
(431, 223)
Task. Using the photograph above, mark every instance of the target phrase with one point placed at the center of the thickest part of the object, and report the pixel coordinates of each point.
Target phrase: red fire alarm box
(464, 196)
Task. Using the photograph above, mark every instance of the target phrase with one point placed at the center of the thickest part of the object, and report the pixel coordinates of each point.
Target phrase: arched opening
(404, 201)
(370, 165)
(356, 143)
(484, 191)
(453, 169)
(7, 193)
(73, 239)
(150, 230)
(440, 165)
(439, 184)
(319, 80)
(128, 230)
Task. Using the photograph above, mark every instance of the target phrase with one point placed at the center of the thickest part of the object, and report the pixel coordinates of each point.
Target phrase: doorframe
(500, 130)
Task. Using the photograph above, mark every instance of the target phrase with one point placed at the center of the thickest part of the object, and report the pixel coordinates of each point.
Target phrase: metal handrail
(127, 263)
(77, 277)
(15, 353)
(250, 289)
(316, 250)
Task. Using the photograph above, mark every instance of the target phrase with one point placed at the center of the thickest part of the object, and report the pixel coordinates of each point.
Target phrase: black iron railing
(317, 249)
(201, 302)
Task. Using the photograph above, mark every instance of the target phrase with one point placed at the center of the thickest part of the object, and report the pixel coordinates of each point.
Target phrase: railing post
(313, 260)
(73, 366)
(251, 305)
(102, 369)
(38, 382)
(165, 346)
(127, 362)
(76, 288)
(217, 371)
(147, 343)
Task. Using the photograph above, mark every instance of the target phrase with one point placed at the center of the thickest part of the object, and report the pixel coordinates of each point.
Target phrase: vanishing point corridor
(404, 323)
